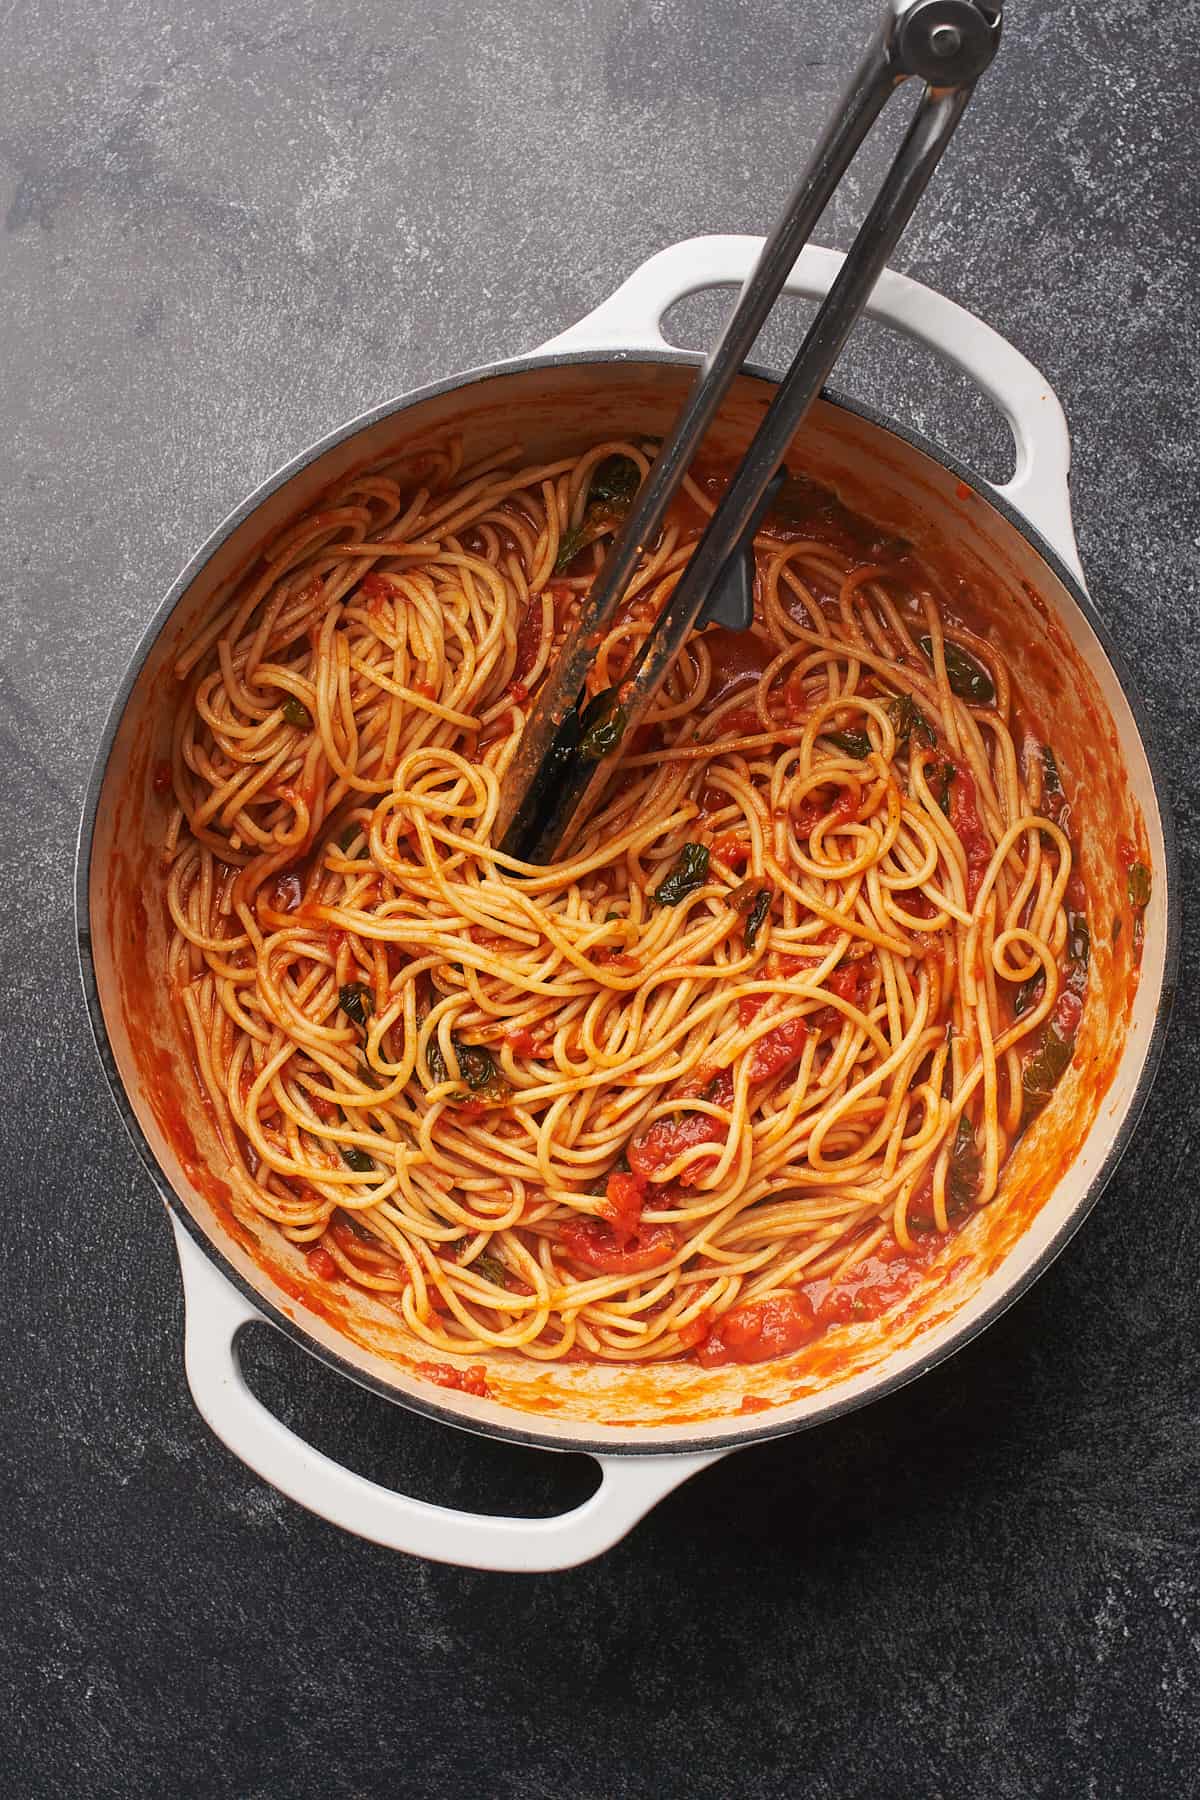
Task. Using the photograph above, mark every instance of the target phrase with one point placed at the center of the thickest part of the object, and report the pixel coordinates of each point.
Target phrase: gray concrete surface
(226, 229)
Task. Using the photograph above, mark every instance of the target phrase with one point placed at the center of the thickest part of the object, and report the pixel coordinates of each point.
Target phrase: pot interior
(553, 408)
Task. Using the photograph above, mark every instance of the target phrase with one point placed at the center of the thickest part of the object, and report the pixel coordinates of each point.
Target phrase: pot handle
(215, 1314)
(631, 318)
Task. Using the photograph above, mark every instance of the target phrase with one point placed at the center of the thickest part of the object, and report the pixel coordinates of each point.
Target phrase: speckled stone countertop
(227, 229)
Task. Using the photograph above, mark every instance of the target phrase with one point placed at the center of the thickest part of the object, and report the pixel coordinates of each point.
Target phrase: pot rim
(636, 1444)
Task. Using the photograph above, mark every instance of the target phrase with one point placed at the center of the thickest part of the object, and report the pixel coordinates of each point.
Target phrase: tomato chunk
(322, 1264)
(596, 1245)
(732, 848)
(760, 1331)
(467, 1381)
(622, 1205)
(668, 1138)
(779, 1051)
(813, 809)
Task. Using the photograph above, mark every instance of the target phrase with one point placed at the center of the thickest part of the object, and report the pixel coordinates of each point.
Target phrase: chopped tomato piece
(752, 1403)
(779, 1051)
(749, 1007)
(322, 1264)
(720, 1089)
(467, 1381)
(694, 1332)
(624, 1198)
(668, 1138)
(762, 1330)
(520, 1042)
(596, 1245)
(850, 981)
(813, 809)
(733, 849)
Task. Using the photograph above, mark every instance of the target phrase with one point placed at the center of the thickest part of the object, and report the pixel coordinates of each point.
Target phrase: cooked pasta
(715, 1080)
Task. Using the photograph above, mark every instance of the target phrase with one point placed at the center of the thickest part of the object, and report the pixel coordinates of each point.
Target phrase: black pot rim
(521, 1433)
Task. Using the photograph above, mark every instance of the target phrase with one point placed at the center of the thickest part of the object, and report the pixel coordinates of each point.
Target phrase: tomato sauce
(787, 1321)
(738, 660)
(964, 817)
(529, 640)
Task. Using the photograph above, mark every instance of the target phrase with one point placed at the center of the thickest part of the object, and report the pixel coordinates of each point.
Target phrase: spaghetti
(718, 1078)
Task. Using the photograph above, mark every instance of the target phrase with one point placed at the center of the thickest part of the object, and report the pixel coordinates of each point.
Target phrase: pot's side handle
(216, 1312)
(631, 318)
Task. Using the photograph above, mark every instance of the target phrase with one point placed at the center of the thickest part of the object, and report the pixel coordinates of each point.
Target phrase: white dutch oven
(649, 1429)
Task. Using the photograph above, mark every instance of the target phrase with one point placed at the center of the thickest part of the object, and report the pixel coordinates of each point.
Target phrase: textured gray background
(227, 229)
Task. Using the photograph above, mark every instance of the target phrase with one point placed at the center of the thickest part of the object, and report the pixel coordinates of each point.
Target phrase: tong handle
(946, 42)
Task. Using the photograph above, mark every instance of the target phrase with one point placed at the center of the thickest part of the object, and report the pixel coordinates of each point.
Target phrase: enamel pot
(648, 1428)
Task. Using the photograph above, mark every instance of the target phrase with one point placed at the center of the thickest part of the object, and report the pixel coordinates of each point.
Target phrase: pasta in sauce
(718, 1079)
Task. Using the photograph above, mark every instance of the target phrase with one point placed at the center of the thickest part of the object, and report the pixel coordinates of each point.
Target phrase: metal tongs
(569, 744)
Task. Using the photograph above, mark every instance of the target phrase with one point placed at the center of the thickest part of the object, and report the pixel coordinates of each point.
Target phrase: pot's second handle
(631, 318)
(216, 1312)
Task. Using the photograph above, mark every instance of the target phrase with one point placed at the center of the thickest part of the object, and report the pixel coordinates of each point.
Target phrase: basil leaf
(436, 1062)
(348, 836)
(490, 1268)
(616, 480)
(945, 774)
(569, 545)
(1043, 1070)
(1079, 940)
(367, 1075)
(1051, 779)
(758, 916)
(1139, 886)
(1028, 994)
(968, 679)
(610, 495)
(966, 1167)
(907, 718)
(604, 735)
(357, 1002)
(478, 1069)
(356, 1159)
(295, 713)
(688, 873)
(854, 743)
